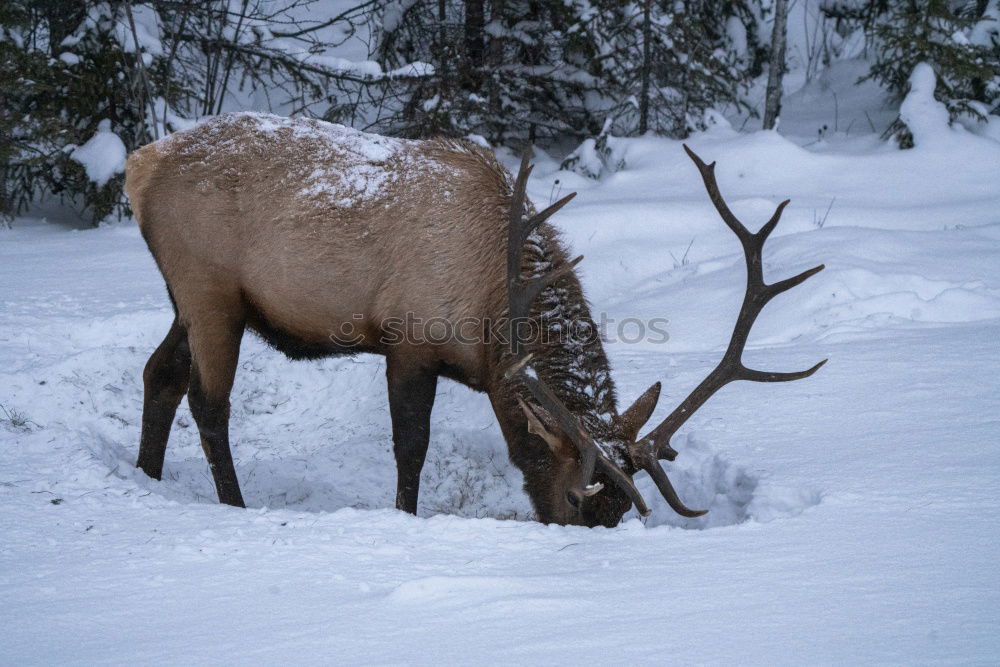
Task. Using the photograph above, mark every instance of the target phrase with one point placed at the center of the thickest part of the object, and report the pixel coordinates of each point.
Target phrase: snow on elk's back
(330, 164)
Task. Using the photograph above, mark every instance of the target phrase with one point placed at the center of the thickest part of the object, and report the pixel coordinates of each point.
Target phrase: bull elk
(301, 230)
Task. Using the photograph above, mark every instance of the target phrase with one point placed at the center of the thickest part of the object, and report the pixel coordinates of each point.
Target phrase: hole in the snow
(466, 478)
(308, 456)
(299, 446)
(297, 449)
(706, 479)
(467, 473)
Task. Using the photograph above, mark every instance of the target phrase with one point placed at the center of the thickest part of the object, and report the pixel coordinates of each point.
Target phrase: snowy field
(854, 515)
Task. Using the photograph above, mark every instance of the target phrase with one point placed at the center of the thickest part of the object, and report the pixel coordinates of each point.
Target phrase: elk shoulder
(317, 225)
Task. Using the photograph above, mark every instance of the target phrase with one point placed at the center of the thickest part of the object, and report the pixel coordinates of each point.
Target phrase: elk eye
(573, 499)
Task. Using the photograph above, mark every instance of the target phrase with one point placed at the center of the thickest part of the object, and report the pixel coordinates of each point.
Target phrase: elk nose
(574, 498)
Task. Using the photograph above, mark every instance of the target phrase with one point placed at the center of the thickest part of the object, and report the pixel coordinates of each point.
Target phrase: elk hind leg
(215, 349)
(411, 398)
(166, 381)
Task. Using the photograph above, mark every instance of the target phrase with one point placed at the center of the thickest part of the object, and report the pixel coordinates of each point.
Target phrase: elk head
(593, 485)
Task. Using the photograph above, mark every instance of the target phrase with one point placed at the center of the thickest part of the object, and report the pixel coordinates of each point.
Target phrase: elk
(302, 230)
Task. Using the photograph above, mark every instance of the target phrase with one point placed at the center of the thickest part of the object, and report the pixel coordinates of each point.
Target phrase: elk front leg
(411, 398)
(166, 381)
(215, 349)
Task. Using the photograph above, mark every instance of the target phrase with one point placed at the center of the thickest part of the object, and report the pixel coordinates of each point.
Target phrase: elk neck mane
(569, 356)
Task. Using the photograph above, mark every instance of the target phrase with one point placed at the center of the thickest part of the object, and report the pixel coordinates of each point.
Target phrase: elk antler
(521, 294)
(646, 451)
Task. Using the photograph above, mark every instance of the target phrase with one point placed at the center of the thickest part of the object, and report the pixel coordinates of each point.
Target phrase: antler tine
(777, 288)
(646, 451)
(666, 489)
(708, 176)
(539, 218)
(515, 245)
(521, 294)
(590, 454)
(767, 376)
(769, 226)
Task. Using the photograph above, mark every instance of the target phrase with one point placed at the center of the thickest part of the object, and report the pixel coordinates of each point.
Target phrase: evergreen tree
(124, 73)
(862, 13)
(939, 33)
(507, 69)
(663, 63)
(69, 69)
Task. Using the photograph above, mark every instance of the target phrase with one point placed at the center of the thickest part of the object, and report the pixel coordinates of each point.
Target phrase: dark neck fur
(569, 357)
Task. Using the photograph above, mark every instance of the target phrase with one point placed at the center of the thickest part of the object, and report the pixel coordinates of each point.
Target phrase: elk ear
(639, 412)
(537, 427)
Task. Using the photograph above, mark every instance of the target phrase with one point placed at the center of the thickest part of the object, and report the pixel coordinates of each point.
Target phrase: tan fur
(236, 224)
(305, 228)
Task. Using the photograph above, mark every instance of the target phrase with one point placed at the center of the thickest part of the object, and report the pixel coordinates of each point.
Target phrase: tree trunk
(495, 56)
(475, 23)
(772, 105)
(475, 33)
(647, 67)
(443, 50)
(6, 187)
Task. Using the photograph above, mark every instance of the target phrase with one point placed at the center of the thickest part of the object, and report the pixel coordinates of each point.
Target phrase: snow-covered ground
(853, 515)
